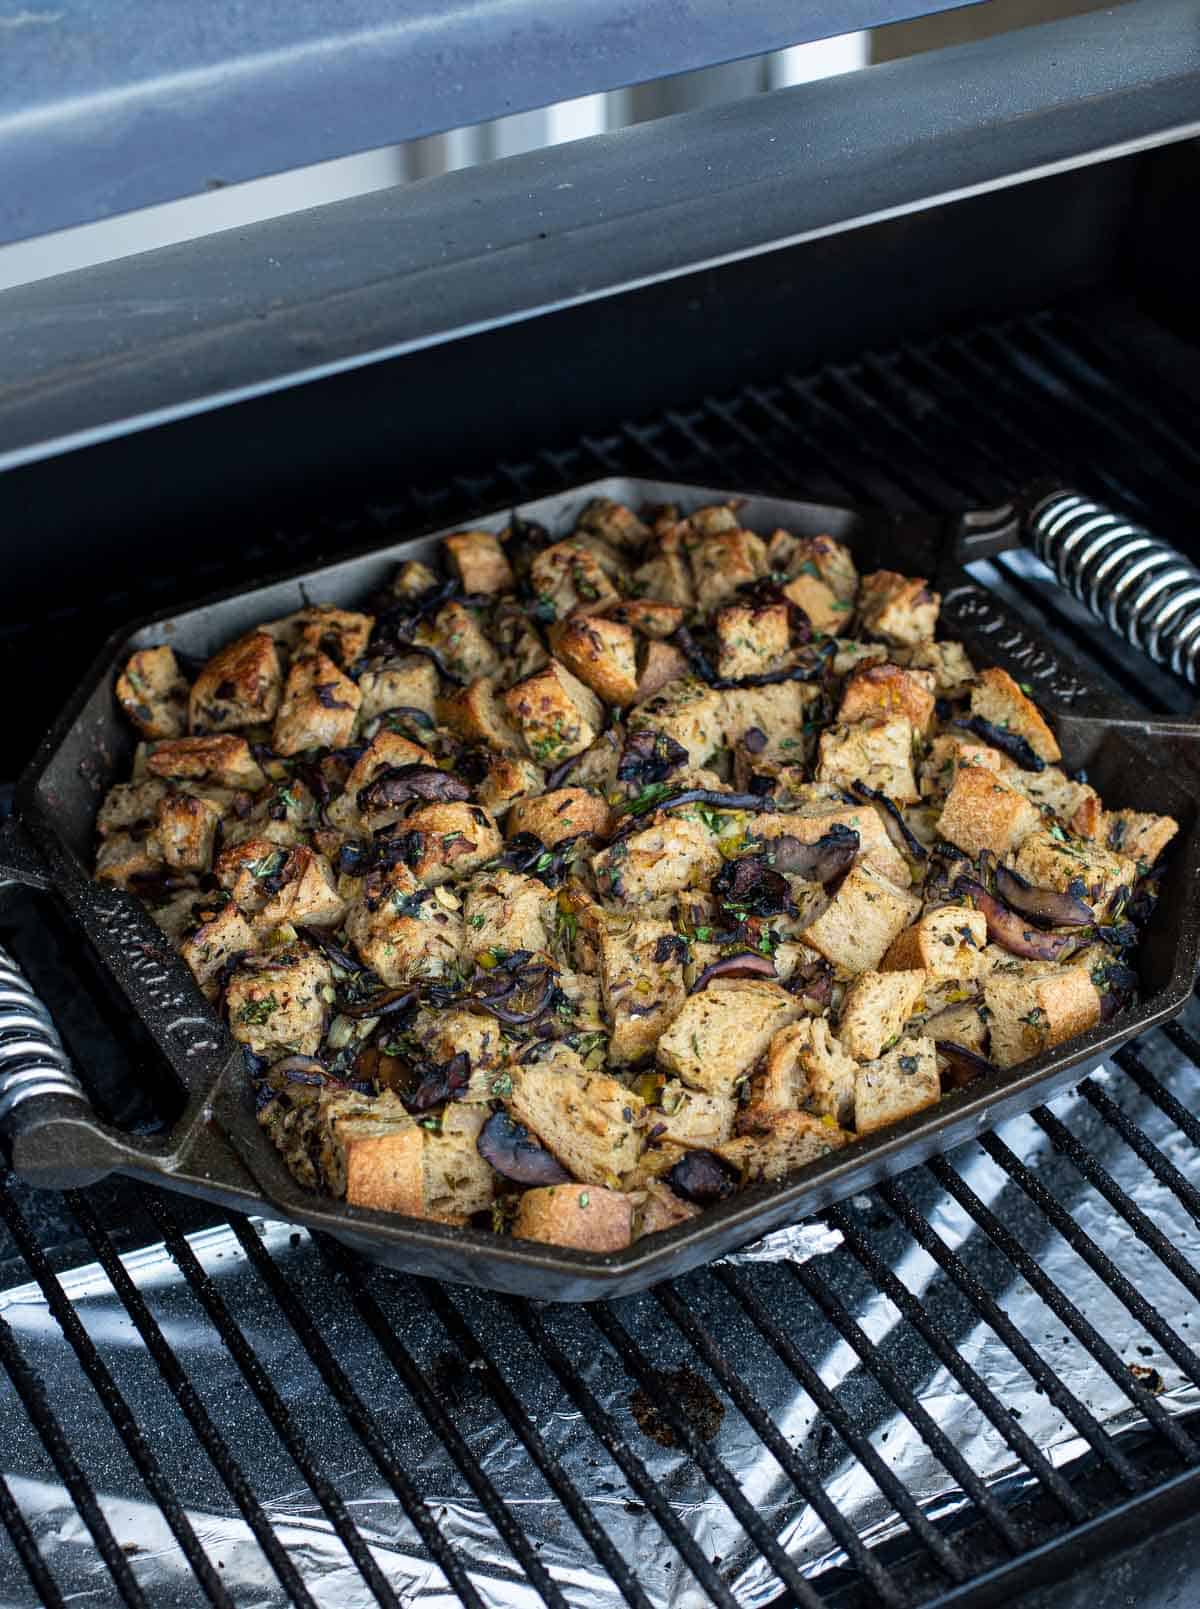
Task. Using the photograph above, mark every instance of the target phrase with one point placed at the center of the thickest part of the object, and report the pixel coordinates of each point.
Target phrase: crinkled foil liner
(331, 1577)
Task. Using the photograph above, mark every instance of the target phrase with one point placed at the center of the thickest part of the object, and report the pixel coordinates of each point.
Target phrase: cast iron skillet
(216, 1149)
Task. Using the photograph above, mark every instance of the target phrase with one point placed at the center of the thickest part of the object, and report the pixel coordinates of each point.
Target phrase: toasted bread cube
(479, 560)
(983, 812)
(851, 655)
(661, 665)
(556, 714)
(342, 634)
(962, 1024)
(831, 1073)
(240, 686)
(507, 911)
(898, 1084)
(1049, 858)
(816, 556)
(225, 760)
(876, 1007)
(588, 1120)
(398, 1166)
(508, 781)
(477, 713)
(690, 1118)
(187, 827)
(676, 851)
(308, 897)
(898, 608)
(614, 522)
(450, 840)
(876, 849)
(413, 579)
(952, 671)
(565, 576)
(826, 612)
(386, 749)
(721, 1032)
(642, 986)
(318, 709)
(649, 617)
(601, 653)
(282, 1011)
(687, 711)
(250, 870)
(152, 692)
(1027, 1015)
(724, 562)
(442, 1034)
(782, 1085)
(751, 639)
(660, 1208)
(712, 519)
(1054, 793)
(125, 857)
(881, 692)
(457, 634)
(410, 683)
(861, 921)
(586, 1217)
(402, 930)
(784, 1142)
(998, 699)
(947, 756)
(879, 754)
(216, 942)
(1137, 835)
(560, 814)
(948, 943)
(130, 804)
(779, 711)
(667, 577)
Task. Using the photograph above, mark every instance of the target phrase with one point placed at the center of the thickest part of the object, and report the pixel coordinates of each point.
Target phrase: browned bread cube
(751, 638)
(876, 849)
(952, 671)
(947, 942)
(819, 557)
(343, 634)
(780, 712)
(508, 781)
(214, 943)
(614, 522)
(983, 812)
(590, 1121)
(123, 858)
(1136, 834)
(282, 1011)
(661, 663)
(690, 1118)
(676, 851)
(642, 985)
(784, 1142)
(385, 750)
(584, 1216)
(556, 714)
(724, 562)
(657, 1207)
(457, 634)
(898, 1084)
(882, 692)
(308, 895)
(225, 760)
(505, 911)
(1028, 1015)
(566, 576)
(449, 840)
(479, 561)
(825, 610)
(402, 930)
(998, 699)
(478, 713)
(153, 693)
(879, 754)
(861, 921)
(876, 1007)
(948, 754)
(898, 608)
(687, 711)
(561, 813)
(187, 828)
(318, 709)
(721, 1032)
(1051, 858)
(130, 804)
(601, 653)
(408, 683)
(649, 617)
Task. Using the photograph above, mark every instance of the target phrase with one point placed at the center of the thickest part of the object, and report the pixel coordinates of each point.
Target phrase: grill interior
(252, 1410)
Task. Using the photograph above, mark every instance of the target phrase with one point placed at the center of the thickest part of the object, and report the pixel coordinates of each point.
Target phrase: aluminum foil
(310, 1539)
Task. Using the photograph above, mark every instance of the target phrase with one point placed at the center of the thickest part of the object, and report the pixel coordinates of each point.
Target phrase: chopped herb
(475, 921)
(257, 1012)
(502, 1086)
(584, 1198)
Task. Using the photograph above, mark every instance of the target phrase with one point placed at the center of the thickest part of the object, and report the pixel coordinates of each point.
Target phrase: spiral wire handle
(1140, 587)
(32, 1058)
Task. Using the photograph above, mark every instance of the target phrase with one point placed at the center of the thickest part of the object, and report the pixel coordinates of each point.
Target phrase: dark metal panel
(106, 106)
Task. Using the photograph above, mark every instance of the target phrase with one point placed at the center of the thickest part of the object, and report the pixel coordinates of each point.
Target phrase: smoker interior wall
(202, 483)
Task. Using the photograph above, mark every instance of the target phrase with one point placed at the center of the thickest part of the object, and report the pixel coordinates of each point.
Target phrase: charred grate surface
(991, 1378)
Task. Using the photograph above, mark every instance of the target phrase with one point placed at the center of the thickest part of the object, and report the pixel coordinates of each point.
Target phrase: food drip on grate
(618, 869)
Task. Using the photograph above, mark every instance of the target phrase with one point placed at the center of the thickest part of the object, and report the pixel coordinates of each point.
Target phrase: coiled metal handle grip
(32, 1059)
(1140, 587)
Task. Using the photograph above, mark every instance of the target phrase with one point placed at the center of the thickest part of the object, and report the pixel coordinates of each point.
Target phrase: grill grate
(398, 1418)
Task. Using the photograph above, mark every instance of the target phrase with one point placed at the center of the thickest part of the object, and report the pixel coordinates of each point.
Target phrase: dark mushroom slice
(439, 1084)
(1046, 906)
(813, 983)
(694, 654)
(1009, 930)
(649, 756)
(819, 862)
(401, 784)
(1010, 743)
(703, 1177)
(912, 843)
(508, 1146)
(748, 965)
(964, 1065)
(388, 1004)
(749, 887)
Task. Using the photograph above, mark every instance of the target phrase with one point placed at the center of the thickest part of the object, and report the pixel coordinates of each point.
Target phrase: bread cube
(1051, 858)
(584, 1216)
(780, 712)
(690, 1118)
(861, 920)
(782, 1085)
(456, 632)
(601, 653)
(666, 575)
(506, 911)
(413, 579)
(382, 1158)
(998, 699)
(962, 1024)
(751, 639)
(896, 1085)
(479, 561)
(130, 804)
(721, 1032)
(676, 851)
(642, 986)
(661, 664)
(386, 749)
(724, 562)
(850, 655)
(688, 711)
(123, 858)
(649, 617)
(478, 713)
(818, 557)
(588, 1120)
(951, 669)
(783, 1143)
(983, 812)
(947, 942)
(1027, 1015)
(508, 781)
(449, 840)
(826, 612)
(408, 683)
(308, 895)
(560, 814)
(614, 522)
(153, 693)
(879, 754)
(402, 930)
(876, 848)
(565, 576)
(318, 709)
(948, 754)
(215, 943)
(882, 692)
(875, 1008)
(282, 1011)
(187, 827)
(657, 1207)
(225, 760)
(1137, 835)
(898, 608)
(831, 1073)
(442, 1034)
(556, 714)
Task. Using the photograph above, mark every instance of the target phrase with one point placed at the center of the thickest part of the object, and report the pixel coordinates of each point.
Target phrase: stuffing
(590, 1121)
(566, 577)
(826, 612)
(1051, 858)
(875, 1008)
(657, 1207)
(187, 829)
(123, 858)
(724, 562)
(130, 804)
(660, 663)
(949, 753)
(402, 930)
(902, 1082)
(983, 812)
(479, 561)
(882, 692)
(721, 1032)
(601, 653)
(751, 638)
(556, 714)
(613, 523)
(879, 754)
(947, 942)
(281, 1010)
(1000, 701)
(676, 851)
(1054, 793)
(478, 714)
(962, 1024)
(153, 693)
(784, 1142)
(807, 1068)
(1027, 1015)
(508, 781)
(687, 711)
(820, 558)
(690, 1118)
(876, 848)
(216, 942)
(386, 751)
(649, 617)
(448, 840)
(456, 634)
(642, 986)
(860, 922)
(952, 671)
(781, 712)
(899, 609)
(590, 1219)
(318, 709)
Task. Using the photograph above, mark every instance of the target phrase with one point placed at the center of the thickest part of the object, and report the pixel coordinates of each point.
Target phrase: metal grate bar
(1055, 1299)
(1162, 1097)
(893, 1489)
(730, 416)
(852, 444)
(926, 1426)
(106, 1388)
(37, 1405)
(618, 1450)
(585, 1522)
(715, 1472)
(345, 1266)
(1162, 1168)
(357, 1413)
(972, 1383)
(942, 477)
(183, 1391)
(26, 1549)
(794, 1467)
(268, 1397)
(1074, 1411)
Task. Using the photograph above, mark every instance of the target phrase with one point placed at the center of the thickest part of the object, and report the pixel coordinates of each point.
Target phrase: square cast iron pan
(216, 1149)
